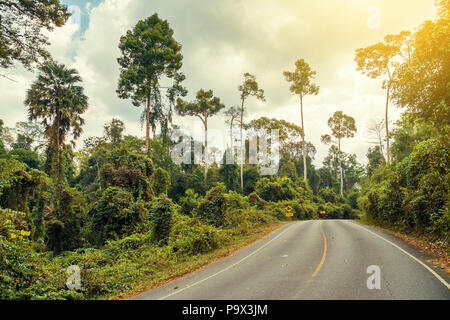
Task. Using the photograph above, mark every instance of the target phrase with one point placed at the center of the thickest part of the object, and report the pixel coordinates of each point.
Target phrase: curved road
(327, 259)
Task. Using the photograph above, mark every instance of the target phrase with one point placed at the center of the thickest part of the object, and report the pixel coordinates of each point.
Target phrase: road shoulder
(434, 255)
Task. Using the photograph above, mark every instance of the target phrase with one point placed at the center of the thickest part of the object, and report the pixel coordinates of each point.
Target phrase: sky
(223, 39)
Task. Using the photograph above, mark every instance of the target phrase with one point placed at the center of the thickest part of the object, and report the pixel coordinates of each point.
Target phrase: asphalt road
(309, 260)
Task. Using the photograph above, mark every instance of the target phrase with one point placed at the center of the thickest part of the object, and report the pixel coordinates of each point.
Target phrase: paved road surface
(305, 260)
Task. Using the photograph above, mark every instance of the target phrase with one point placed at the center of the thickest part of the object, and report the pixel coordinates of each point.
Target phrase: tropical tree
(302, 85)
(205, 106)
(232, 114)
(342, 126)
(114, 130)
(31, 133)
(382, 59)
(421, 83)
(149, 52)
(376, 132)
(289, 135)
(21, 26)
(57, 100)
(248, 88)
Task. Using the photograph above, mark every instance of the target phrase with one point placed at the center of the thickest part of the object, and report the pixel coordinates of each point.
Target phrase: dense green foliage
(412, 194)
(22, 24)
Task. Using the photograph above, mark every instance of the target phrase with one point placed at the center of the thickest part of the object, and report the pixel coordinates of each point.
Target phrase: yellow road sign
(289, 208)
(322, 212)
(289, 214)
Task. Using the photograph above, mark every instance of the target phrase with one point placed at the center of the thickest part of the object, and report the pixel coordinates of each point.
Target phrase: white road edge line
(408, 254)
(229, 267)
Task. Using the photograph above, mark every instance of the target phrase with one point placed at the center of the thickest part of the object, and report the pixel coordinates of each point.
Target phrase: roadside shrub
(352, 200)
(251, 177)
(189, 236)
(302, 209)
(278, 189)
(128, 170)
(189, 203)
(347, 212)
(117, 214)
(255, 200)
(329, 195)
(24, 274)
(213, 207)
(65, 222)
(246, 221)
(161, 212)
(237, 201)
(413, 194)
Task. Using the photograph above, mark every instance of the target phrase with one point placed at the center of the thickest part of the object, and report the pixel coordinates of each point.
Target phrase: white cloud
(222, 40)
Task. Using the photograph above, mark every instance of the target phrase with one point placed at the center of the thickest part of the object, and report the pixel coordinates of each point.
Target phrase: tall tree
(342, 126)
(114, 130)
(376, 131)
(149, 52)
(302, 85)
(382, 59)
(248, 88)
(289, 135)
(57, 100)
(232, 114)
(205, 106)
(21, 26)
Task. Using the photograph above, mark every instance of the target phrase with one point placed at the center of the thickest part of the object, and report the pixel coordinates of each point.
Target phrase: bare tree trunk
(231, 135)
(58, 153)
(147, 121)
(388, 150)
(98, 174)
(305, 172)
(340, 167)
(242, 151)
(58, 123)
(206, 149)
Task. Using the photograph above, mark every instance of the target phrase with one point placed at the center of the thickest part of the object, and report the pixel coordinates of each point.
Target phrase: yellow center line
(309, 282)
(325, 248)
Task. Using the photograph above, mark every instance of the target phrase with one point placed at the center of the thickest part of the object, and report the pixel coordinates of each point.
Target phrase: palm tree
(57, 100)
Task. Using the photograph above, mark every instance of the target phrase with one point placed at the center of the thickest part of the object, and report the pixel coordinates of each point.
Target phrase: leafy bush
(117, 214)
(189, 203)
(302, 209)
(277, 189)
(236, 201)
(189, 236)
(414, 193)
(352, 200)
(128, 170)
(251, 177)
(65, 221)
(246, 221)
(255, 200)
(329, 195)
(25, 275)
(213, 207)
(161, 212)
